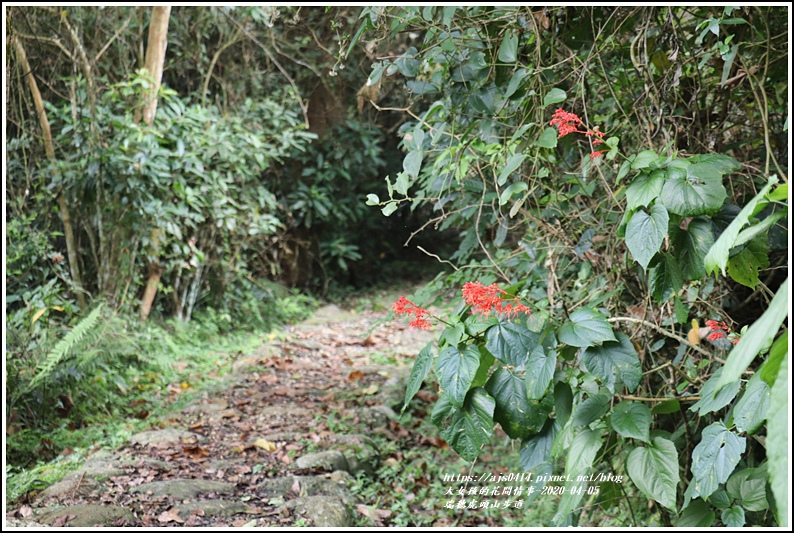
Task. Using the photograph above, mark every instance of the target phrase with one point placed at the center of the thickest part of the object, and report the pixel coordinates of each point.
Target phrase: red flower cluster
(569, 123)
(718, 330)
(486, 299)
(404, 306)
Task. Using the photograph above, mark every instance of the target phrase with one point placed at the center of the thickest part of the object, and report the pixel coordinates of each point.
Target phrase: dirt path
(263, 446)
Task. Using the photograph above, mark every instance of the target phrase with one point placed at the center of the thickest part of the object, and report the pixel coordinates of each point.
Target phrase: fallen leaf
(355, 375)
(372, 389)
(196, 452)
(391, 461)
(296, 486)
(265, 445)
(370, 341)
(171, 515)
(286, 459)
(25, 511)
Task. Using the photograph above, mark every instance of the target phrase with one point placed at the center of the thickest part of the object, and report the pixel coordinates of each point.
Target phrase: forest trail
(263, 446)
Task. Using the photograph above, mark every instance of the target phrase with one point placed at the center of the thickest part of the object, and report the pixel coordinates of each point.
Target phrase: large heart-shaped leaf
(698, 192)
(588, 327)
(456, 369)
(654, 470)
(511, 343)
(471, 427)
(664, 277)
(536, 449)
(750, 411)
(614, 362)
(518, 416)
(715, 457)
(645, 233)
(691, 246)
(540, 371)
(631, 420)
(644, 189)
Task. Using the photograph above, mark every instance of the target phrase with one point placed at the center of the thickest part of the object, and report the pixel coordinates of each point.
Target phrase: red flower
(566, 122)
(486, 299)
(715, 325)
(404, 306)
(716, 335)
(569, 123)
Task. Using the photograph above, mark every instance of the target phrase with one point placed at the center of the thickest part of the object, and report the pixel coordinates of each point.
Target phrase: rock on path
(259, 452)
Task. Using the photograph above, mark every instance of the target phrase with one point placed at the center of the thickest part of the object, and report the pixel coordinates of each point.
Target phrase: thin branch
(303, 105)
(662, 331)
(115, 36)
(235, 39)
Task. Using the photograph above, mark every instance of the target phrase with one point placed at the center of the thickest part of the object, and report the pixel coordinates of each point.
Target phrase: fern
(64, 346)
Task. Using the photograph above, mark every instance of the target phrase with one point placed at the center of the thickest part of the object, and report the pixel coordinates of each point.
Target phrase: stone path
(262, 446)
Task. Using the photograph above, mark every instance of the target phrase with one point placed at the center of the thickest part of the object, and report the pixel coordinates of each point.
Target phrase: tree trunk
(46, 135)
(155, 58)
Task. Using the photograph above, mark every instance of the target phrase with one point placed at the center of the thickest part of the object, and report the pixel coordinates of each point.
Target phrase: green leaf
(412, 163)
(548, 139)
(513, 189)
(733, 516)
(718, 255)
(666, 407)
(513, 162)
(699, 192)
(614, 362)
(715, 457)
(420, 370)
(372, 199)
(508, 49)
(720, 499)
(664, 277)
(654, 470)
(631, 420)
(486, 362)
(592, 409)
(757, 337)
(750, 411)
(456, 369)
(644, 189)
(389, 208)
(780, 194)
(748, 488)
(580, 458)
(623, 171)
(518, 417)
(511, 343)
(755, 230)
(643, 159)
(710, 399)
(691, 246)
(563, 402)
(770, 368)
(697, 514)
(515, 82)
(554, 96)
(402, 183)
(536, 449)
(471, 428)
(588, 327)
(645, 233)
(540, 371)
(777, 443)
(743, 267)
(723, 163)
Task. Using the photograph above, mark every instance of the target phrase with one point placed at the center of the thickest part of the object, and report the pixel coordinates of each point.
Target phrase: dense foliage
(604, 176)
(608, 185)
(245, 187)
